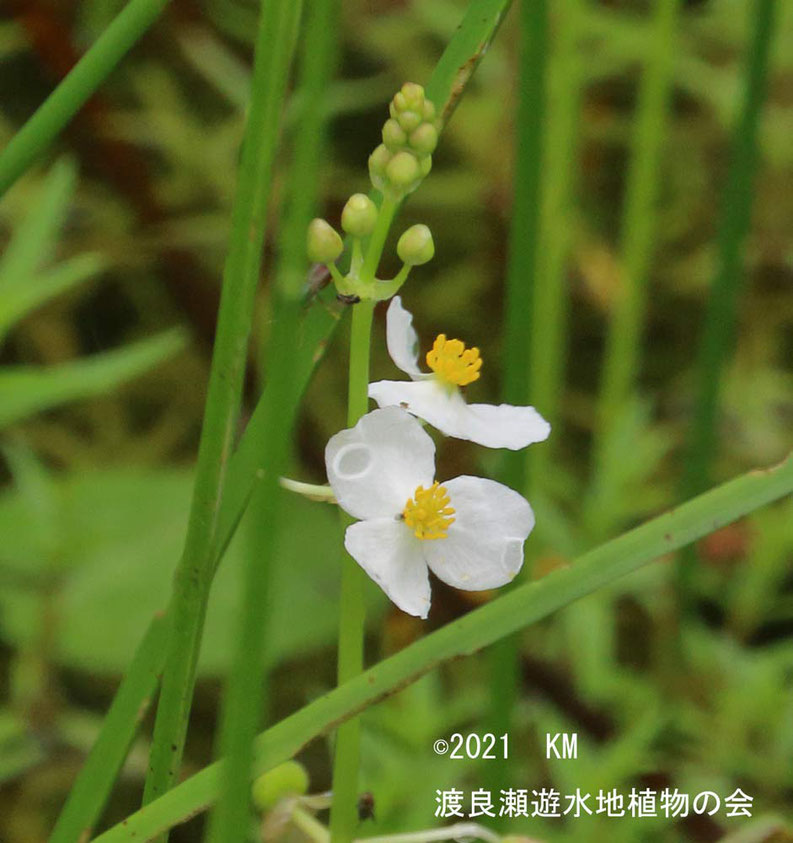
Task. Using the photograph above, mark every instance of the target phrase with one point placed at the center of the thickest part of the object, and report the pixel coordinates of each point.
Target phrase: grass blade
(194, 574)
(25, 390)
(736, 217)
(523, 251)
(86, 76)
(242, 701)
(483, 626)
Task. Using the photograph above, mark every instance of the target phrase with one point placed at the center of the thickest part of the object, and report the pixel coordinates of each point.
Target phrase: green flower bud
(409, 120)
(416, 246)
(402, 170)
(378, 161)
(394, 136)
(359, 215)
(429, 111)
(287, 779)
(414, 96)
(399, 101)
(323, 242)
(425, 165)
(424, 139)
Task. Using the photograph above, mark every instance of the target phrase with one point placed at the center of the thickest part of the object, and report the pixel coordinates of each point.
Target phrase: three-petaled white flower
(469, 531)
(436, 397)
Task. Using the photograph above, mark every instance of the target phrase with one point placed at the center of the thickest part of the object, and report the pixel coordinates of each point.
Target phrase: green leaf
(25, 390)
(18, 299)
(116, 536)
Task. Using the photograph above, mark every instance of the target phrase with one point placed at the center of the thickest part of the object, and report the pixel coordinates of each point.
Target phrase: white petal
(484, 546)
(376, 466)
(390, 554)
(502, 426)
(401, 338)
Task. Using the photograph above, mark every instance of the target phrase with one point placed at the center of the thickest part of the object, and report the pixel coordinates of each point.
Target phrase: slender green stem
(118, 731)
(501, 617)
(734, 225)
(550, 291)
(352, 613)
(86, 76)
(245, 691)
(196, 568)
(374, 252)
(720, 316)
(638, 227)
(523, 251)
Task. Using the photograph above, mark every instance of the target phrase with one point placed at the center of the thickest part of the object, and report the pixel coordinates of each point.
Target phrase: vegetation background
(124, 226)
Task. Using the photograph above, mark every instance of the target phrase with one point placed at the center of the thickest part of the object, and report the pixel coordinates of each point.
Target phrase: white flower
(469, 532)
(436, 397)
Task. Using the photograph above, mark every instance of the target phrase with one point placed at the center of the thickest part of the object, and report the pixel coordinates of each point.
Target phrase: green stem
(503, 616)
(638, 226)
(72, 93)
(523, 251)
(244, 701)
(720, 317)
(352, 613)
(734, 226)
(196, 568)
(374, 251)
(550, 292)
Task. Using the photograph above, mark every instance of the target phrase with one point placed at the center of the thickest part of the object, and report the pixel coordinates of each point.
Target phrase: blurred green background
(110, 256)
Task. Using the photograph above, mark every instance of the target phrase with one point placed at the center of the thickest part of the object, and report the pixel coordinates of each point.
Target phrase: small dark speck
(404, 405)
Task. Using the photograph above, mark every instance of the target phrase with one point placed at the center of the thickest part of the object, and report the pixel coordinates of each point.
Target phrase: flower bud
(413, 95)
(323, 242)
(394, 136)
(287, 779)
(409, 120)
(429, 111)
(424, 139)
(402, 170)
(359, 215)
(416, 246)
(378, 161)
(425, 165)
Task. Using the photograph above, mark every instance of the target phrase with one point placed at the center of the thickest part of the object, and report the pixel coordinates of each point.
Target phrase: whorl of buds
(359, 215)
(287, 779)
(409, 138)
(415, 247)
(323, 243)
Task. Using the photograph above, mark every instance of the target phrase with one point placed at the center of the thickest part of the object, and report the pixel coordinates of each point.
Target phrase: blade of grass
(243, 698)
(499, 618)
(445, 87)
(638, 224)
(721, 312)
(524, 241)
(118, 731)
(550, 295)
(86, 76)
(734, 225)
(194, 573)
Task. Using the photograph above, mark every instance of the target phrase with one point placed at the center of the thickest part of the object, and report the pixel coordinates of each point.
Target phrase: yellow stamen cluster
(428, 512)
(452, 362)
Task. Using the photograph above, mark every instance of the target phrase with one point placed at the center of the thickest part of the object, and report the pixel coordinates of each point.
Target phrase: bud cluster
(410, 136)
(397, 167)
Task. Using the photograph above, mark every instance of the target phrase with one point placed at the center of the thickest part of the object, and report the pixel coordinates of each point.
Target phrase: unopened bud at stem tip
(323, 243)
(416, 246)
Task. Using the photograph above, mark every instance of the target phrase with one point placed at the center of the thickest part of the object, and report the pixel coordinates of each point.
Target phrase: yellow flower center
(428, 512)
(452, 362)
